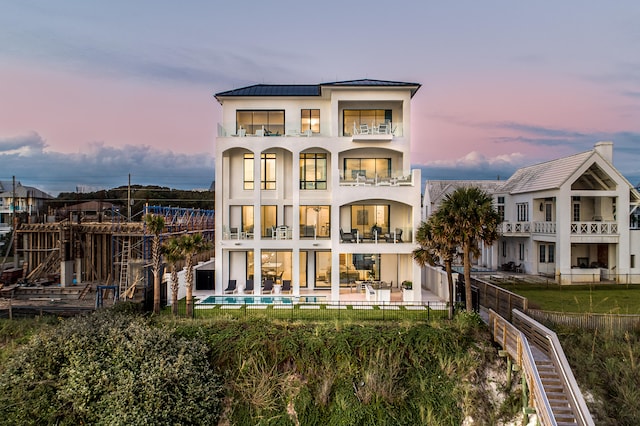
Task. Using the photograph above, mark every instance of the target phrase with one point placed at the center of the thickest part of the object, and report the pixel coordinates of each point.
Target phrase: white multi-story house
(573, 219)
(28, 201)
(314, 187)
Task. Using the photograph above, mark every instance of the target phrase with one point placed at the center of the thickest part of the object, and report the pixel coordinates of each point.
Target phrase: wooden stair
(554, 389)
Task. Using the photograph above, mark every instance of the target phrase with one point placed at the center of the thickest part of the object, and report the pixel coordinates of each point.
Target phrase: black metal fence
(355, 311)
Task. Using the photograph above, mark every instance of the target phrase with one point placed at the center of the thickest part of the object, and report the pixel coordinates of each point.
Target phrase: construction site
(78, 265)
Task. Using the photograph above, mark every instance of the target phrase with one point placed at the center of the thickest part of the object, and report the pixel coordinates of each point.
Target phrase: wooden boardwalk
(553, 391)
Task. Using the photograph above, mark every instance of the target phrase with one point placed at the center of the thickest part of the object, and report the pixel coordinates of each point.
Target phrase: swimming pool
(258, 300)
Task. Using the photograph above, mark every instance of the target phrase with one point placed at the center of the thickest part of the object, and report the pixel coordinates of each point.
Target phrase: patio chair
(398, 237)
(268, 286)
(364, 129)
(248, 287)
(346, 237)
(286, 286)
(231, 288)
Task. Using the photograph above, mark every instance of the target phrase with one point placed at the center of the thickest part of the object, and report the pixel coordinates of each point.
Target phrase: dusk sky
(93, 91)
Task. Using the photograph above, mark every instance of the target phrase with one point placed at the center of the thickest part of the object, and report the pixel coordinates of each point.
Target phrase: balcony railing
(515, 227)
(396, 178)
(594, 228)
(544, 227)
(394, 236)
(577, 228)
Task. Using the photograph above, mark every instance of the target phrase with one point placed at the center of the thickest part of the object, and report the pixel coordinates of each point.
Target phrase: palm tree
(438, 245)
(155, 225)
(173, 254)
(476, 221)
(190, 245)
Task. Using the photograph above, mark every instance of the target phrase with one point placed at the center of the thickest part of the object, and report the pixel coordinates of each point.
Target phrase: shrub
(109, 368)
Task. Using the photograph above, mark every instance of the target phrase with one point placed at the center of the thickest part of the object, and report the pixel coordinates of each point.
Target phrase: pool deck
(347, 295)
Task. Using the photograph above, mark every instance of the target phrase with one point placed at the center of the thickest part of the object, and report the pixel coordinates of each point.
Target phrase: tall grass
(607, 366)
(341, 373)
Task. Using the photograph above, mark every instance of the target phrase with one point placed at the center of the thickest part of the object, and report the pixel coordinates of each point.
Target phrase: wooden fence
(589, 321)
(500, 300)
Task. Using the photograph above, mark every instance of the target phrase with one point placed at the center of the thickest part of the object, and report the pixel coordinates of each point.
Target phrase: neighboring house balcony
(515, 229)
(594, 228)
(525, 229)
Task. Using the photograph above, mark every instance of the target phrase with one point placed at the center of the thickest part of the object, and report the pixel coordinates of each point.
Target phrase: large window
(523, 212)
(323, 269)
(252, 121)
(315, 221)
(576, 211)
(365, 217)
(310, 120)
(276, 265)
(355, 117)
(267, 171)
(269, 220)
(547, 253)
(248, 171)
(367, 167)
(500, 208)
(313, 171)
(247, 220)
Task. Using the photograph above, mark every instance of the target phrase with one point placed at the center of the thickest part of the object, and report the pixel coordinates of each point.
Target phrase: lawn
(598, 298)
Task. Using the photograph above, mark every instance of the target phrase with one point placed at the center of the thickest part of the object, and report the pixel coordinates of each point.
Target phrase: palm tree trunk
(467, 277)
(189, 285)
(156, 274)
(174, 291)
(447, 267)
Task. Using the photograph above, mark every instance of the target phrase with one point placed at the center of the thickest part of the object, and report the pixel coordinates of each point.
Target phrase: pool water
(258, 300)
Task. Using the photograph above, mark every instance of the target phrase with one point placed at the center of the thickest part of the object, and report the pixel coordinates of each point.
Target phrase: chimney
(606, 150)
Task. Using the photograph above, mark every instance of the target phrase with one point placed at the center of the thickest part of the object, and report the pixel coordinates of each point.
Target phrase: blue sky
(93, 91)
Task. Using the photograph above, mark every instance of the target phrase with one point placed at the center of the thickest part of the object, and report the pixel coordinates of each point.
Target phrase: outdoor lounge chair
(346, 237)
(248, 287)
(286, 286)
(268, 286)
(231, 288)
(398, 236)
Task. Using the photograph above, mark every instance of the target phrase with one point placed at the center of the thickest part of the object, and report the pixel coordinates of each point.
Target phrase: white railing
(515, 227)
(544, 227)
(594, 228)
(396, 178)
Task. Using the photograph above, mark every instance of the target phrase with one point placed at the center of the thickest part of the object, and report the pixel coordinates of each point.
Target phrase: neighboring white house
(572, 218)
(314, 179)
(28, 200)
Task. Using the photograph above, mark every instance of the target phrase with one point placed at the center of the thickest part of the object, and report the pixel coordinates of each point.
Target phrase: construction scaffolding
(108, 253)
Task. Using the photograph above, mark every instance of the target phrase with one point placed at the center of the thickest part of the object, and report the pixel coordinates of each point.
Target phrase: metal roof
(310, 89)
(549, 175)
(274, 90)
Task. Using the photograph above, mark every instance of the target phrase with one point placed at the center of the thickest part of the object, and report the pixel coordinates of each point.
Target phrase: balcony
(515, 229)
(382, 132)
(359, 178)
(544, 228)
(594, 228)
(521, 229)
(395, 236)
